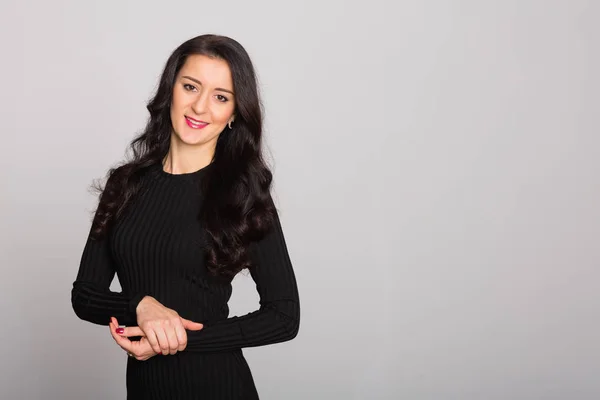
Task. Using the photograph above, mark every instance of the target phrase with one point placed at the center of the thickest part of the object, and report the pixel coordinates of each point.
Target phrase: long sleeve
(277, 319)
(91, 297)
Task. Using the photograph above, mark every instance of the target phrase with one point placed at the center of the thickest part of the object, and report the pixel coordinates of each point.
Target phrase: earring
(229, 124)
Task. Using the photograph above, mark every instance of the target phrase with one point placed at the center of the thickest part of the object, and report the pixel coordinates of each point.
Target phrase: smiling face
(203, 101)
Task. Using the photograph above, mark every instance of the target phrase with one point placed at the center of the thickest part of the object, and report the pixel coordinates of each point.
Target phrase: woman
(178, 222)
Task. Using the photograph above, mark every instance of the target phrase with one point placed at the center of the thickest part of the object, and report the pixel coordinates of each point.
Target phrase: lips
(194, 123)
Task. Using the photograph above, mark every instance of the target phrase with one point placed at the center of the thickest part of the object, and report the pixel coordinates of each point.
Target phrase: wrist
(136, 303)
(143, 301)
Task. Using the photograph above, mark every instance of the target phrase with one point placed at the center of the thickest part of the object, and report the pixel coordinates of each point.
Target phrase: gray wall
(436, 167)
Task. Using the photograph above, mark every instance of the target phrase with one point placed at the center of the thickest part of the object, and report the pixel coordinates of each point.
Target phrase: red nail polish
(120, 331)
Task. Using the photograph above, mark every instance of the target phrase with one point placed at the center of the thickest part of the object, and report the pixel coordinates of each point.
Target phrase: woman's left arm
(277, 319)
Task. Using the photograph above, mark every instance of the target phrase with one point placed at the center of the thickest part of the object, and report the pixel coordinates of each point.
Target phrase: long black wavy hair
(238, 208)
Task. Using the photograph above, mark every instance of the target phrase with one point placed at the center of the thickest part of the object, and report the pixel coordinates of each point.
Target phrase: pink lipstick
(195, 124)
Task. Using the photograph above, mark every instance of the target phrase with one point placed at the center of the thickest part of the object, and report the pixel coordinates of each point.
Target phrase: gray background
(436, 167)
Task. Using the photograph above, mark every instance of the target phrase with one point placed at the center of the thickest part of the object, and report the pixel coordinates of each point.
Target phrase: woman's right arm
(93, 301)
(91, 297)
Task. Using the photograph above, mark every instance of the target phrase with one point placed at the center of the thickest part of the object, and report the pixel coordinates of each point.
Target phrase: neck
(183, 158)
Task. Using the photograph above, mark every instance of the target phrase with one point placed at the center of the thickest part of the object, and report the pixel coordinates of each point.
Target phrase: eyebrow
(200, 83)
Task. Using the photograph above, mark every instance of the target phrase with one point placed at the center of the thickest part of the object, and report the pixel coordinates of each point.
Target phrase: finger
(172, 339)
(115, 320)
(124, 343)
(181, 337)
(162, 341)
(191, 325)
(143, 349)
(112, 326)
(132, 331)
(116, 324)
(153, 340)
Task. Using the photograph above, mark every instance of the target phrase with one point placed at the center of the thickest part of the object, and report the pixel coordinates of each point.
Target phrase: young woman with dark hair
(188, 211)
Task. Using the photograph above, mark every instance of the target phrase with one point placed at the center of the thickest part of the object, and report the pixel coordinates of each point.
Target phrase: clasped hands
(162, 331)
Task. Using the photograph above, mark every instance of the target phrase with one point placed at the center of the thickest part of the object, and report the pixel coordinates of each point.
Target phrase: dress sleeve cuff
(133, 303)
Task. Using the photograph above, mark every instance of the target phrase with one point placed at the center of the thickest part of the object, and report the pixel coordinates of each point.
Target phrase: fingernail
(120, 330)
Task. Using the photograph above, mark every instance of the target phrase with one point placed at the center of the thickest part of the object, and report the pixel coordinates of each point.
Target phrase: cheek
(222, 114)
(178, 101)
(174, 114)
(178, 108)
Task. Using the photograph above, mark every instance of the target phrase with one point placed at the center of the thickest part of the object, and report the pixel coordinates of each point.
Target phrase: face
(203, 101)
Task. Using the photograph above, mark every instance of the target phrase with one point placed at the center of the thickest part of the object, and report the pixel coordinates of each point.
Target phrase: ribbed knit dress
(156, 249)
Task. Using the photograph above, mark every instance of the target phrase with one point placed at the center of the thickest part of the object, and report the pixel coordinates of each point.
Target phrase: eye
(222, 98)
(188, 87)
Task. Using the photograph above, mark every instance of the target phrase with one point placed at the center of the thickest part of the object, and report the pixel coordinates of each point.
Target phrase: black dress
(156, 249)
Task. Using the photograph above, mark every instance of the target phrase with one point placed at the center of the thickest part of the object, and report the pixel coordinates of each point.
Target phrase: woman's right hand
(163, 327)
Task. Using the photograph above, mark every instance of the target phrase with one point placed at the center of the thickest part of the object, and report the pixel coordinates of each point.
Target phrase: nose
(200, 103)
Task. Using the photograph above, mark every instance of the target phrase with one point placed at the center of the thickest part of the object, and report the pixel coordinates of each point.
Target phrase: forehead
(208, 70)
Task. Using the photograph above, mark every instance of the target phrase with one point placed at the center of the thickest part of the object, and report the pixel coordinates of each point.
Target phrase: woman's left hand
(141, 350)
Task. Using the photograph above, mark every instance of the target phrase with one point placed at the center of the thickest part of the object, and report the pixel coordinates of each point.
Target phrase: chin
(193, 138)
(191, 141)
